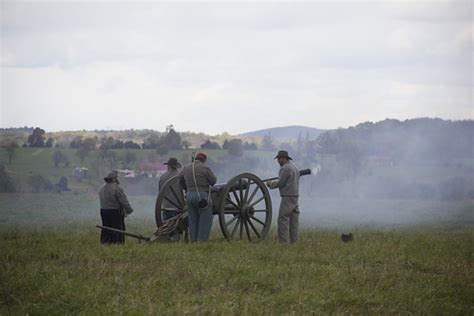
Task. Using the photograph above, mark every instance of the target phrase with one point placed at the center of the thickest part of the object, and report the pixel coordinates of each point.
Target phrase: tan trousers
(288, 219)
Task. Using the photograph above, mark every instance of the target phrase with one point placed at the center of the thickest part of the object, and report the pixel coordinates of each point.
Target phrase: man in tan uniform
(288, 184)
(114, 206)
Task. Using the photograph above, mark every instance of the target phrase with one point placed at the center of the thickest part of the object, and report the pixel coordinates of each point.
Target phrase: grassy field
(52, 263)
(409, 256)
(54, 271)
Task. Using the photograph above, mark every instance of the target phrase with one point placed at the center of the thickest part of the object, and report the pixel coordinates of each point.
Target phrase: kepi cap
(201, 157)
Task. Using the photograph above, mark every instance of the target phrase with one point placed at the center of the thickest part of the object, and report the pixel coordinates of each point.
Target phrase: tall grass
(380, 272)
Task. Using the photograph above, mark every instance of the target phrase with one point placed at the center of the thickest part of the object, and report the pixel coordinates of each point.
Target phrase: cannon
(243, 205)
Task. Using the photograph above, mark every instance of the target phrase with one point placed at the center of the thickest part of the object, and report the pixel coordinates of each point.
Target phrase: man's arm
(282, 179)
(182, 182)
(210, 176)
(122, 199)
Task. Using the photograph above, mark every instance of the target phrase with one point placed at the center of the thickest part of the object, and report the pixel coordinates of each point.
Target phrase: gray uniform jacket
(112, 197)
(288, 180)
(176, 186)
(204, 177)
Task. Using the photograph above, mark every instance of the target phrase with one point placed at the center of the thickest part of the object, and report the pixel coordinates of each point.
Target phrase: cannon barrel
(123, 232)
(243, 184)
(238, 186)
(303, 172)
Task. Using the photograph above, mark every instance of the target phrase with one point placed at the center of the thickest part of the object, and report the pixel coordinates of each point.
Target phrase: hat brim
(172, 165)
(288, 157)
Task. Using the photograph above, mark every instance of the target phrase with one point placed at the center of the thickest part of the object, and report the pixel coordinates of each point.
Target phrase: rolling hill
(286, 132)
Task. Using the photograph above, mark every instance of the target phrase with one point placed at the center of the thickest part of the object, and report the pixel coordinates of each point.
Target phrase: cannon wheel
(245, 208)
(177, 199)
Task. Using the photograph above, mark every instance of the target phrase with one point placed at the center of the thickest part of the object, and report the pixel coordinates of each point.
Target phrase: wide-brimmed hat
(201, 157)
(283, 154)
(173, 162)
(111, 174)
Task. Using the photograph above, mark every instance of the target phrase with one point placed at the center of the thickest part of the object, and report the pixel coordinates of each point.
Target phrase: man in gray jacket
(170, 210)
(114, 206)
(288, 184)
(174, 192)
(197, 178)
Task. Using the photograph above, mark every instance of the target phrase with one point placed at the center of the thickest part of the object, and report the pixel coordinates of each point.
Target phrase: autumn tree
(37, 138)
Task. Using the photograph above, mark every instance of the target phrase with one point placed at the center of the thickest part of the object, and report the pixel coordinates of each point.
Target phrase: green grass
(52, 263)
(60, 272)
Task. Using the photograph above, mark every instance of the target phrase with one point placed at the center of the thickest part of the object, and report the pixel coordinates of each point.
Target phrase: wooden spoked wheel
(245, 208)
(171, 196)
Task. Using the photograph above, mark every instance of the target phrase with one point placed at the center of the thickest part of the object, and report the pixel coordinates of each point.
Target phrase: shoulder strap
(194, 178)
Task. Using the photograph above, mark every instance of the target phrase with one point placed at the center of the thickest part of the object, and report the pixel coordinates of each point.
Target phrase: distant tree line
(235, 146)
(422, 139)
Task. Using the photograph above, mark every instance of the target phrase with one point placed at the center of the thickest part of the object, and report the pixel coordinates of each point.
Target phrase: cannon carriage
(243, 206)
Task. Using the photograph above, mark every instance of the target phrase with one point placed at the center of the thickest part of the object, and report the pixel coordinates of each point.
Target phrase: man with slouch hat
(288, 184)
(114, 206)
(169, 209)
(198, 178)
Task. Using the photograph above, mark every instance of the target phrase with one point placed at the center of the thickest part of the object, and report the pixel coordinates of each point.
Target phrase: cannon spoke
(253, 228)
(241, 192)
(232, 220)
(177, 198)
(257, 201)
(236, 198)
(232, 202)
(247, 190)
(260, 211)
(257, 220)
(235, 228)
(247, 230)
(231, 212)
(253, 195)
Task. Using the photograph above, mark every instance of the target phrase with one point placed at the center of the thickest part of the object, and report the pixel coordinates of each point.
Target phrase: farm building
(151, 169)
(80, 173)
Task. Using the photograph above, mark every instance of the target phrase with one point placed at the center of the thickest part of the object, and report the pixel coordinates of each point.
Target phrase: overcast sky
(235, 67)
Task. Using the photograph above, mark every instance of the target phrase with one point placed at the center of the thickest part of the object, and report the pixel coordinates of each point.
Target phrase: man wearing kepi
(198, 178)
(114, 206)
(288, 184)
(175, 191)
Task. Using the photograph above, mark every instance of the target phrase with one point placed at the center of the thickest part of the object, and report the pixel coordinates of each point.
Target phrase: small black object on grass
(347, 237)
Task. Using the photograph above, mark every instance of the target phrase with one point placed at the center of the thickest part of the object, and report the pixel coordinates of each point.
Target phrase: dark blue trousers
(114, 219)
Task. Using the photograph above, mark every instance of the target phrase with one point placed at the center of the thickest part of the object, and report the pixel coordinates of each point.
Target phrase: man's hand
(269, 183)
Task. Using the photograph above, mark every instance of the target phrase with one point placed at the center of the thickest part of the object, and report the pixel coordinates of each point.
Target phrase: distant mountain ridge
(287, 132)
